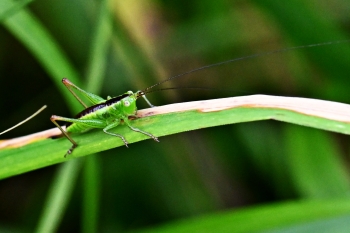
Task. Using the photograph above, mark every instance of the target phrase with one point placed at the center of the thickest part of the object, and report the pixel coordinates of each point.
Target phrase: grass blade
(58, 197)
(175, 118)
(258, 219)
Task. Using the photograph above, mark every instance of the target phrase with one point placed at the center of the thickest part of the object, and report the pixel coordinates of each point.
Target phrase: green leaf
(175, 118)
(283, 217)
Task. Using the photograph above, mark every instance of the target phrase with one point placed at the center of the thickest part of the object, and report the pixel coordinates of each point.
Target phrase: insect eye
(126, 103)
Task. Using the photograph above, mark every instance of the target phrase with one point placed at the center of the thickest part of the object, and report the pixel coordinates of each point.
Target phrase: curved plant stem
(22, 154)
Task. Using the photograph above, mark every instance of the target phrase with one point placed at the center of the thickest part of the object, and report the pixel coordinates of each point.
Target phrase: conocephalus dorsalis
(25, 120)
(109, 113)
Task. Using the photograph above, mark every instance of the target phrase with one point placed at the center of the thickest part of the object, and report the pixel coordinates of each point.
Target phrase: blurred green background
(195, 173)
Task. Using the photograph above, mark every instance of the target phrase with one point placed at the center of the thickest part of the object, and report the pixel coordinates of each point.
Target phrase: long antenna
(25, 120)
(181, 88)
(244, 58)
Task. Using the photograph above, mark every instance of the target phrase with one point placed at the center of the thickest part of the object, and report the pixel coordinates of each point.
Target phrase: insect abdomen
(98, 119)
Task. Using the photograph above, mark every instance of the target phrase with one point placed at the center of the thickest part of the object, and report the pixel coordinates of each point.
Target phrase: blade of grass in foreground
(175, 118)
(284, 217)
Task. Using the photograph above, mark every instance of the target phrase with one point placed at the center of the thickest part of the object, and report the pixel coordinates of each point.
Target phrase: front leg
(111, 126)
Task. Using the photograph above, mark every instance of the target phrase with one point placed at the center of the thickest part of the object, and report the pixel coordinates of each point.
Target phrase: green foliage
(122, 45)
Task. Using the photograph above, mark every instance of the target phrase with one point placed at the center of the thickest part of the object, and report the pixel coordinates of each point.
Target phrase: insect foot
(149, 135)
(155, 138)
(125, 142)
(70, 150)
